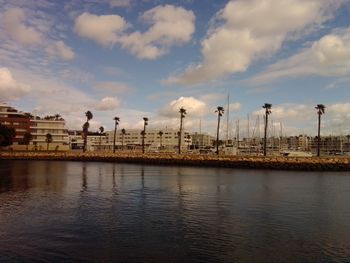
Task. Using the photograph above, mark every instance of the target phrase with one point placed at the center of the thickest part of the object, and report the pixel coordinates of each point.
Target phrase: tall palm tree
(116, 123)
(48, 140)
(320, 110)
(160, 133)
(27, 137)
(86, 126)
(182, 115)
(123, 134)
(101, 129)
(267, 107)
(220, 111)
(143, 133)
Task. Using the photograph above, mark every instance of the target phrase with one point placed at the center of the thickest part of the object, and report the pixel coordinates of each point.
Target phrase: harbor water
(52, 211)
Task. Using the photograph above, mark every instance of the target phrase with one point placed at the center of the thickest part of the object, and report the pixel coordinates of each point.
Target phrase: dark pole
(145, 122)
(265, 133)
(115, 133)
(180, 134)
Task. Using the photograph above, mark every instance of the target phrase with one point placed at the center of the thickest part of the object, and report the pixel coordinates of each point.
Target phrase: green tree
(183, 113)
(143, 133)
(48, 140)
(220, 112)
(123, 135)
(27, 137)
(116, 123)
(267, 108)
(86, 126)
(320, 110)
(6, 135)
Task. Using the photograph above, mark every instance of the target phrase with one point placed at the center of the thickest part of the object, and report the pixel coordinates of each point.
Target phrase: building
(202, 140)
(54, 125)
(18, 120)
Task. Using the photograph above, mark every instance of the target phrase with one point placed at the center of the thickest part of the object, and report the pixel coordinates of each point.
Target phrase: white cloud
(115, 87)
(120, 3)
(170, 26)
(107, 104)
(104, 29)
(247, 30)
(10, 89)
(193, 107)
(328, 57)
(61, 50)
(14, 24)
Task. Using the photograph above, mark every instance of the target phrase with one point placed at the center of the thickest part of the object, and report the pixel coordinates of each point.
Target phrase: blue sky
(132, 59)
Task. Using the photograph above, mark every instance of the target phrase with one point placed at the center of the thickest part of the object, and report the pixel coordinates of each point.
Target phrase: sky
(149, 58)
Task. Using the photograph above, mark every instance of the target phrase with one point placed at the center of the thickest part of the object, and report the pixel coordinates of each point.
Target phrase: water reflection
(138, 213)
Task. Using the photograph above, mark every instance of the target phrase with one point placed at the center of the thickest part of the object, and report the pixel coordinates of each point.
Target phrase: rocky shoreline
(245, 162)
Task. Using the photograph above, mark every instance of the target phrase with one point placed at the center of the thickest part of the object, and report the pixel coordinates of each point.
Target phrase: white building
(56, 127)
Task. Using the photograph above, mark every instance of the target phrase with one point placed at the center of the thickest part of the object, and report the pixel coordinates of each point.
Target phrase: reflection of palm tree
(116, 122)
(320, 110)
(48, 140)
(143, 133)
(123, 134)
(220, 111)
(182, 115)
(267, 108)
(160, 133)
(84, 179)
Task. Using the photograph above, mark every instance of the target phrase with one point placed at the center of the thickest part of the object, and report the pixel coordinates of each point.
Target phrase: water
(104, 212)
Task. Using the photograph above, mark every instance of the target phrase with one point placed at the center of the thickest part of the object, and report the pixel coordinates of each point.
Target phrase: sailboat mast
(227, 118)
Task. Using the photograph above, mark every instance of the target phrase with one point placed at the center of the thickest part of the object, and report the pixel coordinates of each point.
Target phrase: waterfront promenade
(245, 162)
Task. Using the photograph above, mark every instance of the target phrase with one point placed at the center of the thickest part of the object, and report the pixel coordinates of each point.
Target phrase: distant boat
(296, 154)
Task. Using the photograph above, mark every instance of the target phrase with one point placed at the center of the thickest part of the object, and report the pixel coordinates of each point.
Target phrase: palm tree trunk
(123, 142)
(180, 133)
(47, 146)
(319, 135)
(217, 135)
(115, 133)
(85, 142)
(265, 133)
(160, 142)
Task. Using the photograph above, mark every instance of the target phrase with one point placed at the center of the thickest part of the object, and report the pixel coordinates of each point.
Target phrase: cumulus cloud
(104, 29)
(10, 89)
(107, 103)
(169, 26)
(246, 30)
(328, 57)
(61, 50)
(14, 24)
(194, 107)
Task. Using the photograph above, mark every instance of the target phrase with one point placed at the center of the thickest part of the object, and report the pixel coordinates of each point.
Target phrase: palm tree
(160, 133)
(320, 110)
(57, 117)
(143, 133)
(123, 134)
(48, 140)
(220, 111)
(188, 137)
(27, 137)
(116, 123)
(267, 108)
(182, 115)
(101, 129)
(86, 126)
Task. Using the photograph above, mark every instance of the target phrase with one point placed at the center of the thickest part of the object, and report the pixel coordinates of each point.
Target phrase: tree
(267, 108)
(220, 111)
(6, 135)
(320, 110)
(143, 133)
(188, 137)
(123, 134)
(116, 123)
(27, 137)
(48, 140)
(183, 113)
(86, 126)
(160, 133)
(101, 129)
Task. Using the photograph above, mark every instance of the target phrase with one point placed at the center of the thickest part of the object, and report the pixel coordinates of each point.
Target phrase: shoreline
(241, 162)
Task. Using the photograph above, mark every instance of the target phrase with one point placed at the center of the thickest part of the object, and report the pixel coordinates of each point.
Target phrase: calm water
(103, 212)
